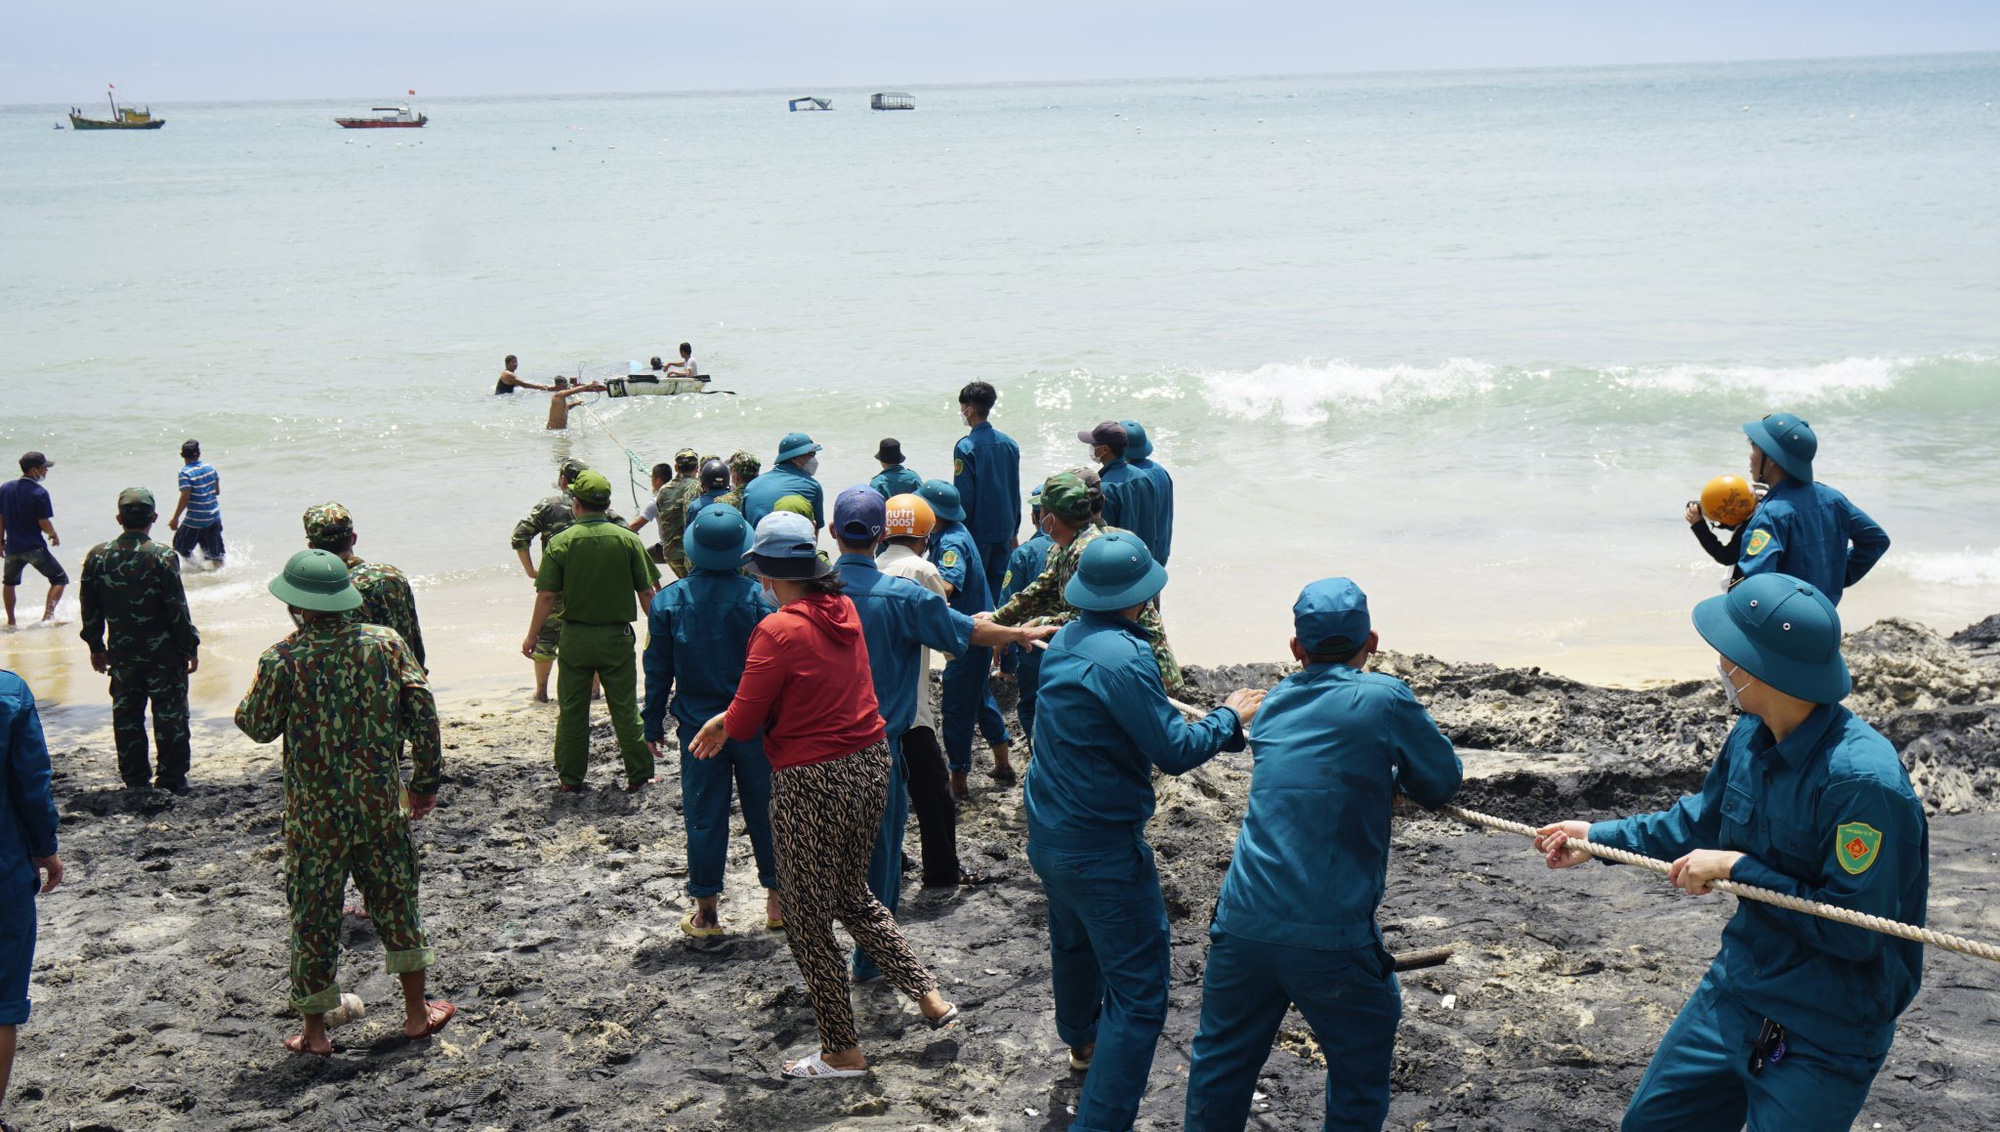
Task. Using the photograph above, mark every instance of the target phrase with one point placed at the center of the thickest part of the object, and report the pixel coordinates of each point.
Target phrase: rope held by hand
(1848, 916)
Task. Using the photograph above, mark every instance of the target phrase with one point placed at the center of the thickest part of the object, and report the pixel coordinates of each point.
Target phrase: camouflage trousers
(549, 637)
(384, 868)
(165, 687)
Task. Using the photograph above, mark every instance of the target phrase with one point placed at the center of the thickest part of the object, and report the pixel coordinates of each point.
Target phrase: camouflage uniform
(673, 500)
(386, 597)
(546, 520)
(746, 467)
(134, 584)
(345, 697)
(1041, 602)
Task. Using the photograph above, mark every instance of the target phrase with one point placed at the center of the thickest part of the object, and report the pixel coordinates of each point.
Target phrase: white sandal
(813, 1065)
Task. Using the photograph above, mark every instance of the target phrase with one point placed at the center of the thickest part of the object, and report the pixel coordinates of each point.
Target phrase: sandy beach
(159, 982)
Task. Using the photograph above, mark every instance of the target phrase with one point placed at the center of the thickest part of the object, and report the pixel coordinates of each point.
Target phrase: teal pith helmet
(316, 580)
(1781, 630)
(1789, 441)
(718, 538)
(944, 500)
(1137, 446)
(1115, 572)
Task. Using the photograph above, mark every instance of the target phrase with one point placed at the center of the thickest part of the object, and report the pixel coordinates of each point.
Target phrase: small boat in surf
(397, 117)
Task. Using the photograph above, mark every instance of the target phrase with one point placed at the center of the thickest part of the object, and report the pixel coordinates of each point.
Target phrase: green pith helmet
(316, 580)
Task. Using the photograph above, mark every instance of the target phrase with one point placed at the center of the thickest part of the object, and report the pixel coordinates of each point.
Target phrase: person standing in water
(27, 531)
(197, 518)
(510, 381)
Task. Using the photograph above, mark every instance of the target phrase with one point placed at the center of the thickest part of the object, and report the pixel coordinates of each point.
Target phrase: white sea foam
(1304, 393)
(1967, 567)
(1787, 384)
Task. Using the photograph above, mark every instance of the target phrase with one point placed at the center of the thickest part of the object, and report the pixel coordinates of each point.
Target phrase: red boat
(390, 118)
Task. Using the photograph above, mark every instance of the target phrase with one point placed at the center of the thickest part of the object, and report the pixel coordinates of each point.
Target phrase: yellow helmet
(909, 516)
(1728, 500)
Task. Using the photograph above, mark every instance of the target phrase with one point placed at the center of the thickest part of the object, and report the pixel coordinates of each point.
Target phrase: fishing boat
(398, 117)
(122, 117)
(654, 385)
(809, 102)
(891, 100)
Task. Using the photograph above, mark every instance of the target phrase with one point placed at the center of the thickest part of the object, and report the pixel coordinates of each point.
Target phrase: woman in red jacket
(807, 687)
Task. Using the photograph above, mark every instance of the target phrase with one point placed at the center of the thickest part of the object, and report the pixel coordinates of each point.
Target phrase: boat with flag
(122, 117)
(396, 117)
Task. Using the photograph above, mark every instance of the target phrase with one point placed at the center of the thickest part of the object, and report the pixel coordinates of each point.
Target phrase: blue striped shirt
(202, 484)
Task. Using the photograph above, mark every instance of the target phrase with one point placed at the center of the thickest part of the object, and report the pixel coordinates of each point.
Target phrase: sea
(1472, 339)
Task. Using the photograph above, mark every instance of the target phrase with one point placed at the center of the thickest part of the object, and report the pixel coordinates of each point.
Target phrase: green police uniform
(673, 501)
(546, 520)
(386, 597)
(1041, 602)
(597, 568)
(345, 697)
(136, 613)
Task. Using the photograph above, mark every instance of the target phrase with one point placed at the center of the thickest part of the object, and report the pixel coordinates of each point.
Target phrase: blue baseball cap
(1788, 441)
(943, 499)
(718, 538)
(1330, 618)
(860, 514)
(1116, 571)
(794, 445)
(1137, 446)
(1781, 630)
(785, 549)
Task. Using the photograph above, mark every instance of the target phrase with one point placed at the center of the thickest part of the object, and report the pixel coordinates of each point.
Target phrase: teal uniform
(896, 480)
(1826, 815)
(967, 701)
(1295, 922)
(1813, 533)
(761, 495)
(1106, 723)
(1132, 502)
(986, 470)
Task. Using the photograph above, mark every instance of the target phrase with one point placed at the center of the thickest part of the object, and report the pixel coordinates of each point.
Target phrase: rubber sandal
(774, 923)
(968, 878)
(942, 1020)
(301, 1049)
(351, 1009)
(432, 1020)
(813, 1067)
(1007, 777)
(690, 928)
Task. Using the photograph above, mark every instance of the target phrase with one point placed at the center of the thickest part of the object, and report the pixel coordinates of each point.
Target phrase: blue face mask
(1730, 691)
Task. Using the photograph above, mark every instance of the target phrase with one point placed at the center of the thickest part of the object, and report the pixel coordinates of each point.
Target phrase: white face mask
(1729, 690)
(811, 466)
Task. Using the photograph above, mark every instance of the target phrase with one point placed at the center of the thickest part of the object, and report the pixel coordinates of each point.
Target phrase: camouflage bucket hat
(687, 458)
(1066, 496)
(745, 465)
(327, 523)
(570, 468)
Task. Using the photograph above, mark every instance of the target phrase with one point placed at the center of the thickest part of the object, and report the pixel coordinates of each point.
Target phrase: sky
(213, 50)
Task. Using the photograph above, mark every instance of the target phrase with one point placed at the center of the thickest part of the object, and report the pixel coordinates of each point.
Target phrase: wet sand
(160, 980)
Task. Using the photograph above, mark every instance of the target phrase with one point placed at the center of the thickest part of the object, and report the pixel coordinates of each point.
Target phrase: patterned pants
(165, 686)
(384, 868)
(823, 822)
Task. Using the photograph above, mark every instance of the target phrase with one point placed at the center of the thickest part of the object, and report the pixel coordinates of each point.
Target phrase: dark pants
(705, 796)
(165, 687)
(44, 562)
(1700, 1075)
(1349, 998)
(969, 701)
(930, 797)
(1110, 961)
(1027, 678)
(17, 941)
(993, 557)
(207, 539)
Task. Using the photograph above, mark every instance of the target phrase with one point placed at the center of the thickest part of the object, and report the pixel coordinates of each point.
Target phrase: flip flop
(431, 1019)
(774, 923)
(813, 1066)
(942, 1020)
(690, 928)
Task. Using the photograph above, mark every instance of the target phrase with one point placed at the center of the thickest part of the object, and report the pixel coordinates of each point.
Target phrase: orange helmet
(1728, 500)
(909, 517)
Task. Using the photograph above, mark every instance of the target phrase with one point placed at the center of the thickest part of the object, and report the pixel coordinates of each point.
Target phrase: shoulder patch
(1758, 541)
(957, 466)
(950, 558)
(1007, 579)
(1856, 845)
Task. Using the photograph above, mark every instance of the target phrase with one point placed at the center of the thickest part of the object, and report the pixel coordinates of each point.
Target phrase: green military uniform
(132, 588)
(546, 520)
(346, 697)
(673, 501)
(386, 597)
(1041, 601)
(746, 467)
(597, 568)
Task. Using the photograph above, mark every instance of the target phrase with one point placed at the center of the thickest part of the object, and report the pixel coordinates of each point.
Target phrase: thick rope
(1848, 916)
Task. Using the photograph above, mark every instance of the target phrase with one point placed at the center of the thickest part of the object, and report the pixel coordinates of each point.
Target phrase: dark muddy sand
(160, 981)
